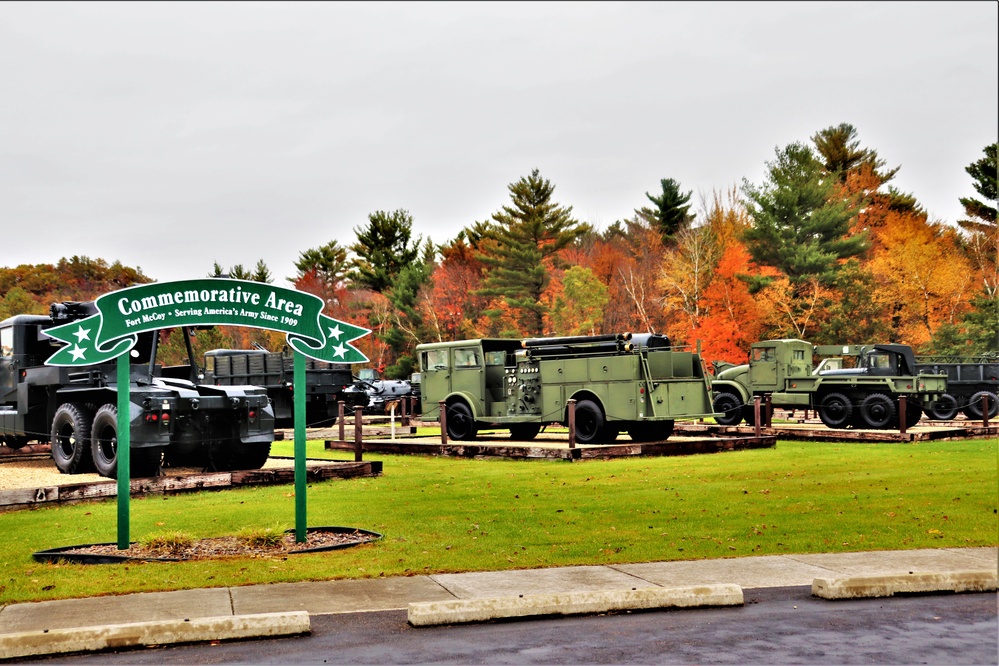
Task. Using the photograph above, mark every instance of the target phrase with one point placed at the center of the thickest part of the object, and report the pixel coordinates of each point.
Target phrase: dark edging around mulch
(57, 555)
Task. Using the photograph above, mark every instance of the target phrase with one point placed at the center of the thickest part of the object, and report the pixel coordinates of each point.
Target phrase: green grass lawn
(451, 515)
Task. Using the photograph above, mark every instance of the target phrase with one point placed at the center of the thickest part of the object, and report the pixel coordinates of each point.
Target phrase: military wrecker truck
(636, 383)
(862, 392)
(969, 379)
(75, 409)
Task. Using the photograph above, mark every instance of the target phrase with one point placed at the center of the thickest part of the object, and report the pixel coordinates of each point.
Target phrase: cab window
(495, 358)
(880, 361)
(466, 358)
(435, 359)
(7, 341)
(763, 354)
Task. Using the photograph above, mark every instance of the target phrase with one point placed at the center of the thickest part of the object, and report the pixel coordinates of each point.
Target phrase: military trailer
(325, 383)
(969, 379)
(854, 385)
(639, 384)
(75, 409)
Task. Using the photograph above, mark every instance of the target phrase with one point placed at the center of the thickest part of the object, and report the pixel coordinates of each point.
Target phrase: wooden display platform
(555, 447)
(183, 481)
(819, 432)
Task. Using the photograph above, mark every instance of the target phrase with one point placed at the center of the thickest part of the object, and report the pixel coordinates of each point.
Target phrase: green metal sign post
(301, 524)
(125, 313)
(124, 452)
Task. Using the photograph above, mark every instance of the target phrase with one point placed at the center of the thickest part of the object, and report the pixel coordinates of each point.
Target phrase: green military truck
(171, 414)
(634, 383)
(854, 385)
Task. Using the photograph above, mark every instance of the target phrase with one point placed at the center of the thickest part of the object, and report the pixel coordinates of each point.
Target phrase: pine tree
(327, 262)
(799, 227)
(519, 249)
(383, 248)
(982, 214)
(671, 213)
(842, 152)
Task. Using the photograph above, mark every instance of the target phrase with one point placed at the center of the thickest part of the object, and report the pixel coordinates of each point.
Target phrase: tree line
(825, 249)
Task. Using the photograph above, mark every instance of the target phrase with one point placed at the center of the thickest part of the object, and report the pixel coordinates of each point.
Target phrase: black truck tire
(913, 412)
(731, 407)
(143, 462)
(247, 456)
(651, 431)
(524, 431)
(590, 424)
(836, 410)
(878, 411)
(460, 424)
(15, 442)
(974, 408)
(71, 438)
(944, 408)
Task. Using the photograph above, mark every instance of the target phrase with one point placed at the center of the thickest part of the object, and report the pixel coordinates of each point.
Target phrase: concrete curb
(860, 587)
(576, 603)
(136, 634)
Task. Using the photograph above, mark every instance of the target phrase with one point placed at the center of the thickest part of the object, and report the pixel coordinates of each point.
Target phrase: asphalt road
(776, 626)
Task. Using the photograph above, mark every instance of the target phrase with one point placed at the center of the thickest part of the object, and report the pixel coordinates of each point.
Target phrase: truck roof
(26, 320)
(500, 343)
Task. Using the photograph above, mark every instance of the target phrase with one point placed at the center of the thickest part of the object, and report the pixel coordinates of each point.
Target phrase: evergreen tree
(261, 273)
(239, 272)
(982, 214)
(799, 227)
(519, 249)
(671, 212)
(982, 246)
(383, 248)
(841, 150)
(408, 329)
(328, 262)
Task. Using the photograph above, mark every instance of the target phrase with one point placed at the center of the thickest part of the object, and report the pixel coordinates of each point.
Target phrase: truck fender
(467, 399)
(719, 385)
(580, 395)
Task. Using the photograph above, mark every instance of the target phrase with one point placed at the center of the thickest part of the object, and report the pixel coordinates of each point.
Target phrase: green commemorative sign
(123, 314)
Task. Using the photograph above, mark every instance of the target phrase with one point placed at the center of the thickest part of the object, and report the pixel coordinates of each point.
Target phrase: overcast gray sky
(170, 136)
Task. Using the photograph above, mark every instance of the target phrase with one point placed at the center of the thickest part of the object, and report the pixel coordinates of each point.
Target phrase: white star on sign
(77, 353)
(82, 334)
(340, 350)
(335, 332)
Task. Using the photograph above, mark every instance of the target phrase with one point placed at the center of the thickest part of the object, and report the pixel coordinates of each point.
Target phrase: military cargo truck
(75, 409)
(325, 383)
(639, 384)
(854, 385)
(969, 378)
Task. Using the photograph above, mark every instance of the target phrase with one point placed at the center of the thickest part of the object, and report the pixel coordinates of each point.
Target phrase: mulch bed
(317, 539)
